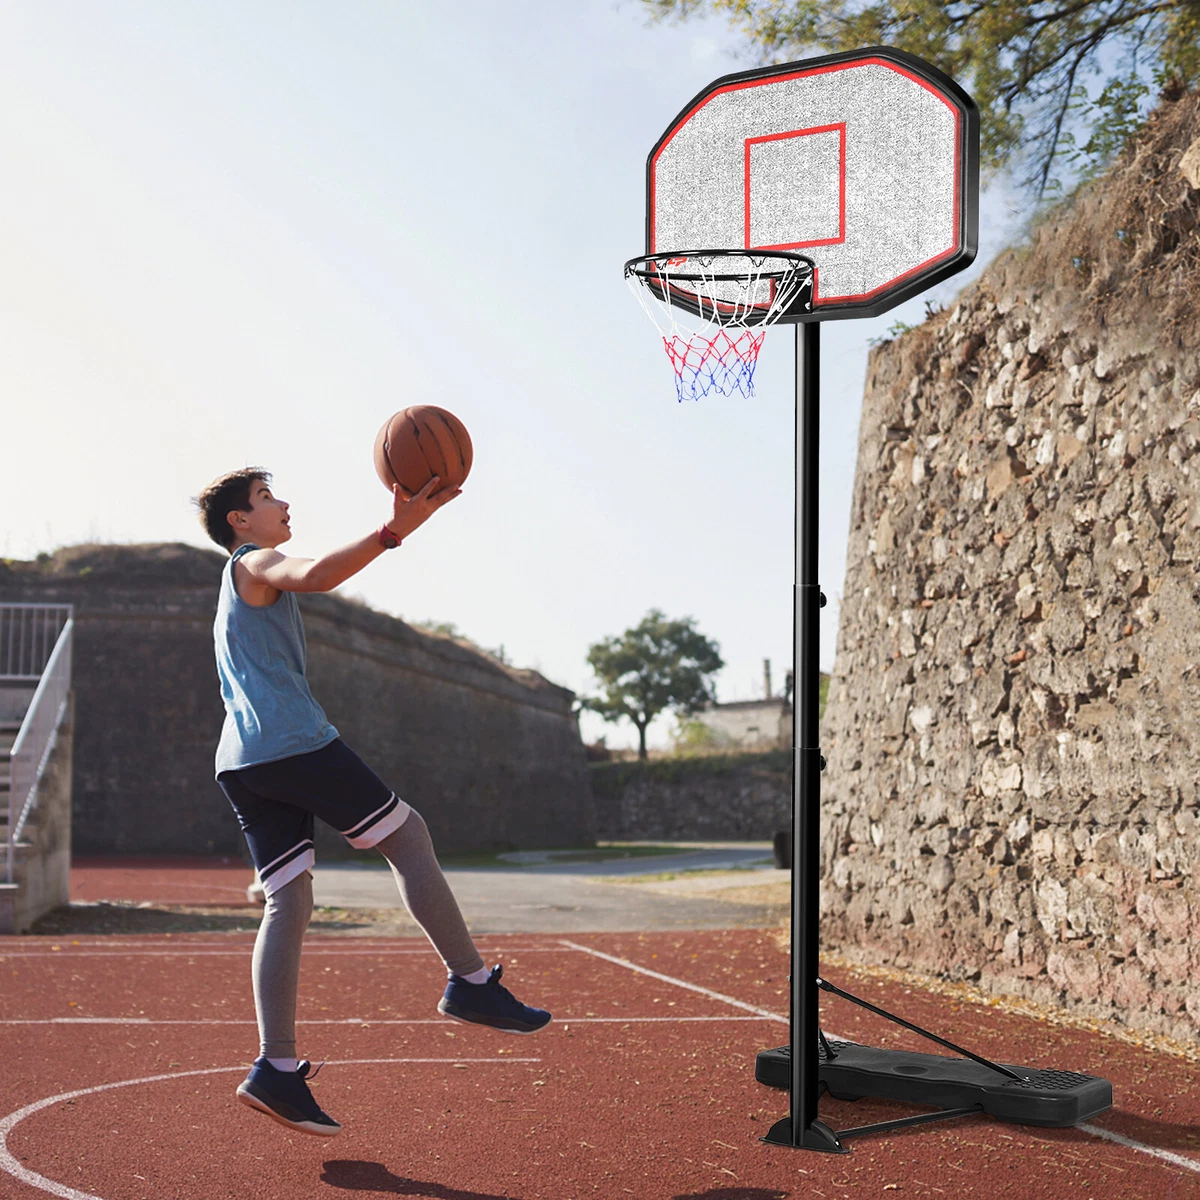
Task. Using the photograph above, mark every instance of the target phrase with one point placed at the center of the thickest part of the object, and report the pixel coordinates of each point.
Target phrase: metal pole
(801, 1127)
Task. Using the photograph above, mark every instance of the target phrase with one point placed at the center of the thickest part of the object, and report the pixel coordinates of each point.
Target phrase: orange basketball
(419, 442)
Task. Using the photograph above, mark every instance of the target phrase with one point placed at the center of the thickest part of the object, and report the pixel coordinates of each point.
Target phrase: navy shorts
(276, 802)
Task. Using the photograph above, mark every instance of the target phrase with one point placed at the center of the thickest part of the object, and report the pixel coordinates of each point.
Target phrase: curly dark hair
(229, 493)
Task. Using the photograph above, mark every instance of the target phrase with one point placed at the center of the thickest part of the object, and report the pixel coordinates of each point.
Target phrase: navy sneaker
(284, 1096)
(490, 1004)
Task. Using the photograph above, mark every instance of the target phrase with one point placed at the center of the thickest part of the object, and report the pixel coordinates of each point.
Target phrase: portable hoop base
(1052, 1099)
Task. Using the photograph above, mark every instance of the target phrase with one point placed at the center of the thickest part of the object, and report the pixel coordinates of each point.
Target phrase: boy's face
(266, 522)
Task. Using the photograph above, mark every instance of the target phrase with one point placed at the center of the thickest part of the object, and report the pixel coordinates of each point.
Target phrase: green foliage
(447, 628)
(657, 666)
(895, 330)
(1112, 119)
(691, 737)
(1024, 63)
(608, 779)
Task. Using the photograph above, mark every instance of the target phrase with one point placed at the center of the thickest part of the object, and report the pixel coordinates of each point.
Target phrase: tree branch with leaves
(659, 665)
(1024, 63)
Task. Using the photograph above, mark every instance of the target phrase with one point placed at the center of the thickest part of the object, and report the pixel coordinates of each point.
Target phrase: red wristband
(387, 539)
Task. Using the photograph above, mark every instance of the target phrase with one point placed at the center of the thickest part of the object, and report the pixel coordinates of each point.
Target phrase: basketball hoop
(742, 292)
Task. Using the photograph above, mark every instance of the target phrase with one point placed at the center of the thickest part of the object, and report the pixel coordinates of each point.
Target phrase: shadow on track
(356, 1176)
(1163, 1135)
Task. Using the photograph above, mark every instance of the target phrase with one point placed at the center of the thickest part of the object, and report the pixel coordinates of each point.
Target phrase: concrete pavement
(537, 892)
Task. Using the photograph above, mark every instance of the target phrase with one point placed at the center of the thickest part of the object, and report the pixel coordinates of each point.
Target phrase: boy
(280, 762)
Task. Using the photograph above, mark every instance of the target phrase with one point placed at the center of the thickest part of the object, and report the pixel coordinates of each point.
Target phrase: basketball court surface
(122, 1055)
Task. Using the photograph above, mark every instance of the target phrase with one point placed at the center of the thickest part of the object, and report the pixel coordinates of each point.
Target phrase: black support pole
(801, 1127)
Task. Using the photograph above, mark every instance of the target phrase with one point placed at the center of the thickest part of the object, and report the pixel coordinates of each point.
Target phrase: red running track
(198, 881)
(122, 1055)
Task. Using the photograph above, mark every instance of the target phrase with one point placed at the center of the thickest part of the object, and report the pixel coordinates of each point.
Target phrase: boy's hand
(410, 511)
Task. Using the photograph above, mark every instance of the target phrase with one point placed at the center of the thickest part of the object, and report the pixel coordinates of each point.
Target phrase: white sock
(480, 976)
(283, 1064)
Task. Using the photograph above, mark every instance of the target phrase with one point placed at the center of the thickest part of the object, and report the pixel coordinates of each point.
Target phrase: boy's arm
(409, 513)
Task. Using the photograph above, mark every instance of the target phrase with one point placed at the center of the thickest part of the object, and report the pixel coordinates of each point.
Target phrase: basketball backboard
(866, 162)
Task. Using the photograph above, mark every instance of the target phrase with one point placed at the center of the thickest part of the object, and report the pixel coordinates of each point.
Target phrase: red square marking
(795, 188)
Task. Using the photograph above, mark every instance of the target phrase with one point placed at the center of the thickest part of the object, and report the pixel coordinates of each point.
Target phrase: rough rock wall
(1013, 723)
(490, 755)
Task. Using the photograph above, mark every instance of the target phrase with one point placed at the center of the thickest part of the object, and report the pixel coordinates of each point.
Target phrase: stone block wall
(490, 755)
(744, 797)
(1011, 731)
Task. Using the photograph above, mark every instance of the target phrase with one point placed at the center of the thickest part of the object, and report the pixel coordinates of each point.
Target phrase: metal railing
(39, 729)
(28, 634)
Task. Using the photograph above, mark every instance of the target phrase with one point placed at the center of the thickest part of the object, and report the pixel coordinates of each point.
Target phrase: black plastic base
(1055, 1099)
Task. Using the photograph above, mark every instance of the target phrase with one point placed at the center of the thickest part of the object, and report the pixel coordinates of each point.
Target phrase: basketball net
(742, 293)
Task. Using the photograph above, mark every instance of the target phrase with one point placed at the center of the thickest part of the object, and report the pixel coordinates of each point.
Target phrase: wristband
(387, 539)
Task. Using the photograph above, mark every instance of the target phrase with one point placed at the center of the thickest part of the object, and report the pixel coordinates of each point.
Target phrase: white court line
(1178, 1160)
(33, 1179)
(348, 1020)
(691, 987)
(216, 938)
(246, 952)
(1188, 1164)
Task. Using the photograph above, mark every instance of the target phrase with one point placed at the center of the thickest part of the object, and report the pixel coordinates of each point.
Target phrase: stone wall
(743, 797)
(1011, 733)
(490, 755)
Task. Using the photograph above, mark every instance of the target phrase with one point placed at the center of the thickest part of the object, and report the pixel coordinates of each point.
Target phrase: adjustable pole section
(801, 1127)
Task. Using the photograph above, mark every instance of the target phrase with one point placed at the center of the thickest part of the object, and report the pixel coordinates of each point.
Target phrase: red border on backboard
(839, 128)
(956, 238)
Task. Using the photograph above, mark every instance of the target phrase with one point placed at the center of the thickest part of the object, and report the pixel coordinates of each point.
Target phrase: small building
(749, 724)
(764, 724)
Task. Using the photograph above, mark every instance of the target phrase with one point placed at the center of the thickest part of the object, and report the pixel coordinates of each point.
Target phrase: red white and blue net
(712, 309)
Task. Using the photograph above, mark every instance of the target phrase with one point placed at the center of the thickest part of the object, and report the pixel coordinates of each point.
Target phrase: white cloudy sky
(242, 233)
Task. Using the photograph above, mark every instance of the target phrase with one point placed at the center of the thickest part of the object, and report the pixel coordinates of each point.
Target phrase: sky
(239, 234)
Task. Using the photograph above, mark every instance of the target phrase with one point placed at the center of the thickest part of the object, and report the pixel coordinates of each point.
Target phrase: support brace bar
(945, 1114)
(826, 986)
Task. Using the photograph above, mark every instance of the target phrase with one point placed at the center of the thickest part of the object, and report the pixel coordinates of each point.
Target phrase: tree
(1025, 62)
(656, 666)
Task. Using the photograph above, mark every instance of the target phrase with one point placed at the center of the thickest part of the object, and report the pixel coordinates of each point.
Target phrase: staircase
(8, 735)
(35, 761)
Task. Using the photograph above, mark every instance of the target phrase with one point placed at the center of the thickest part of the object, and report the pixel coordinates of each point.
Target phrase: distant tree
(658, 665)
(1025, 62)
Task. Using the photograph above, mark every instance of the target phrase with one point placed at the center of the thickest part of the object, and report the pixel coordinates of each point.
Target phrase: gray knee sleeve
(427, 895)
(276, 965)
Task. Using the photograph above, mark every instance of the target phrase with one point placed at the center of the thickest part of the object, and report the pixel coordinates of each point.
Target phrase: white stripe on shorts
(376, 832)
(289, 871)
(292, 862)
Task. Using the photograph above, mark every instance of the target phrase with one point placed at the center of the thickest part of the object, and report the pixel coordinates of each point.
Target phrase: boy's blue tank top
(269, 712)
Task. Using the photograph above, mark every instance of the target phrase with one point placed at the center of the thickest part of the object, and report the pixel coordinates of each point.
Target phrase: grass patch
(608, 778)
(697, 873)
(601, 852)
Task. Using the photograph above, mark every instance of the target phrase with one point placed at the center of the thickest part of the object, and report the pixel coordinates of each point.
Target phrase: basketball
(419, 442)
